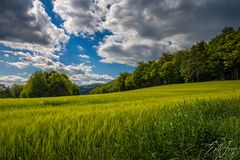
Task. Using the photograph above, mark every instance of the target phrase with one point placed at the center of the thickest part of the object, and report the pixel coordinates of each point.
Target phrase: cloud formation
(12, 79)
(90, 78)
(27, 29)
(84, 56)
(25, 25)
(142, 30)
(81, 17)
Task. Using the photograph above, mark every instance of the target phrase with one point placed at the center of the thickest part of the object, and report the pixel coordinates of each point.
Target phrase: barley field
(182, 121)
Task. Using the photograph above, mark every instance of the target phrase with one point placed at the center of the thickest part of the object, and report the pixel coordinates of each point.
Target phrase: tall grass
(192, 121)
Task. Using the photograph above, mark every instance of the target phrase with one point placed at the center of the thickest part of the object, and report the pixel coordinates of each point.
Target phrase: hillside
(87, 89)
(184, 121)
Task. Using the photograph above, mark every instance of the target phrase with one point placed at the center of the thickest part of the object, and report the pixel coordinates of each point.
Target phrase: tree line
(219, 59)
(41, 84)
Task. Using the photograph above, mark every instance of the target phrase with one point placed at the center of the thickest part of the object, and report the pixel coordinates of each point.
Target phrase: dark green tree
(16, 90)
(59, 85)
(43, 84)
(129, 82)
(195, 64)
(120, 81)
(5, 91)
(75, 89)
(36, 86)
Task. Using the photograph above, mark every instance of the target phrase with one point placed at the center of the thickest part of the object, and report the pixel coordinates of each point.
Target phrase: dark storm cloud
(17, 24)
(25, 26)
(200, 20)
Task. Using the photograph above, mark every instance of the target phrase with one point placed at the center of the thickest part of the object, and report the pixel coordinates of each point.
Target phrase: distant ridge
(87, 89)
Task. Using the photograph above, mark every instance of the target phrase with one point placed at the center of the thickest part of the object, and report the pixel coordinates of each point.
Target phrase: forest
(219, 59)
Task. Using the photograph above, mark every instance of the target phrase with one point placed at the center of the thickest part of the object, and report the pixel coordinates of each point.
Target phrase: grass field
(185, 121)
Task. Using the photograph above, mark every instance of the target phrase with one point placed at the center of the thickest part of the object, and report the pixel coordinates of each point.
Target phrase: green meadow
(182, 121)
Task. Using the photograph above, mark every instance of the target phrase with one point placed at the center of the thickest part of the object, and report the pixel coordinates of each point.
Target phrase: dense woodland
(41, 84)
(219, 59)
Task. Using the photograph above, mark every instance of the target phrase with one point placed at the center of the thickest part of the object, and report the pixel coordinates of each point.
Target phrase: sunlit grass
(174, 121)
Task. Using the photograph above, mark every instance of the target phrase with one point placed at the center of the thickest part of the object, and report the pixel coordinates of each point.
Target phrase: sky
(93, 41)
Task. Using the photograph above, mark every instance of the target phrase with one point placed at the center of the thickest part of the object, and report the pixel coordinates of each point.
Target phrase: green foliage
(59, 85)
(42, 84)
(195, 63)
(16, 90)
(5, 91)
(129, 82)
(120, 81)
(75, 89)
(224, 53)
(217, 60)
(37, 85)
(25, 92)
(107, 88)
(184, 121)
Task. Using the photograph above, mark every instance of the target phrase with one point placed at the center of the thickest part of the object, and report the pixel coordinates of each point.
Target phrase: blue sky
(93, 41)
